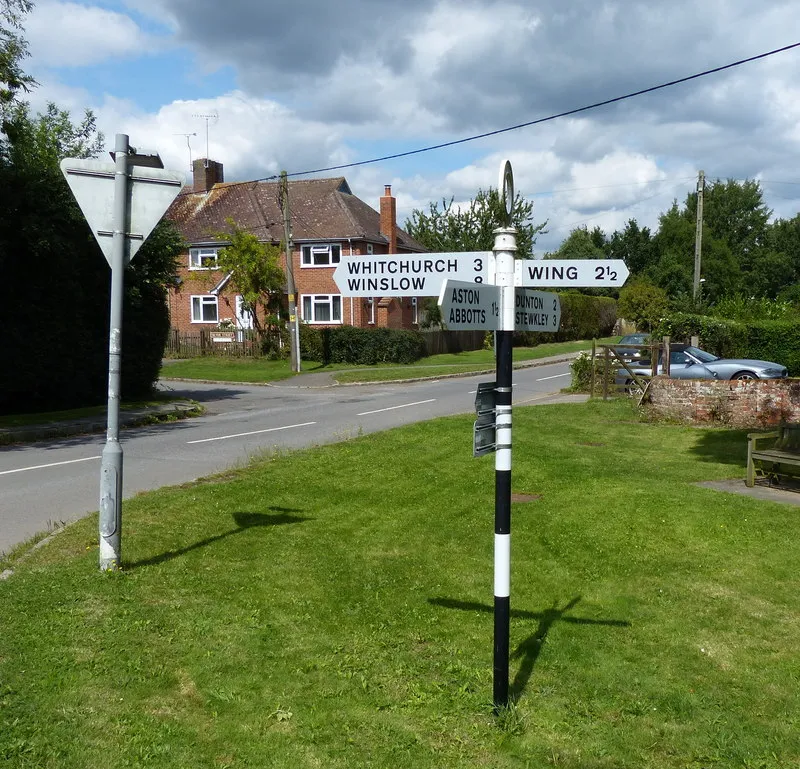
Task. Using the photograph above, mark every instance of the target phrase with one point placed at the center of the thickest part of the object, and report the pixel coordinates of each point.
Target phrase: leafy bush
(311, 347)
(581, 368)
(364, 346)
(744, 308)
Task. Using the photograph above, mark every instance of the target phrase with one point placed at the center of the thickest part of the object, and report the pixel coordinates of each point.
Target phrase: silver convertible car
(687, 362)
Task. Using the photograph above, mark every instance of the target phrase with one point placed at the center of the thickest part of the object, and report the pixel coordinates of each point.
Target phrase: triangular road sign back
(150, 192)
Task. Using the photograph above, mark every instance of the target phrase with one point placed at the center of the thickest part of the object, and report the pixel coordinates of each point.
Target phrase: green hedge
(367, 346)
(582, 317)
(773, 340)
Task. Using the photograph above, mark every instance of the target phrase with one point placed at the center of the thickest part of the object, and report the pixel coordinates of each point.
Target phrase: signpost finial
(505, 188)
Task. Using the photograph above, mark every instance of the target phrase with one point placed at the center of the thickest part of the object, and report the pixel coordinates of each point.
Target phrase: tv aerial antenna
(207, 118)
(188, 144)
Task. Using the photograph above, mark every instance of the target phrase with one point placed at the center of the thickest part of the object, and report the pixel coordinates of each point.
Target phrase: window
(371, 310)
(414, 310)
(325, 255)
(322, 308)
(679, 358)
(370, 249)
(204, 309)
(202, 258)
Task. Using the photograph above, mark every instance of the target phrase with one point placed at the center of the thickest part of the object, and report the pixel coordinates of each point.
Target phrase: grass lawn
(332, 608)
(259, 370)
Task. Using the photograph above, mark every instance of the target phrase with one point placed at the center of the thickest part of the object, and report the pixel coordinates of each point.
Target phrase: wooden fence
(193, 344)
(437, 342)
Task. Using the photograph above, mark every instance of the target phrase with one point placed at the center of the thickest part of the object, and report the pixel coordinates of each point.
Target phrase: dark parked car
(686, 362)
(627, 352)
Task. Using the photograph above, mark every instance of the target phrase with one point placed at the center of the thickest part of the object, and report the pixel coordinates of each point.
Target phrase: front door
(244, 318)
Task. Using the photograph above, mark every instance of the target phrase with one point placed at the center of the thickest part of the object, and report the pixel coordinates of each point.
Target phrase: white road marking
(391, 408)
(52, 464)
(254, 432)
(544, 379)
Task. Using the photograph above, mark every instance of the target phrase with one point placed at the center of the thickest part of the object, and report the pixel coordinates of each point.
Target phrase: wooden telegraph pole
(294, 326)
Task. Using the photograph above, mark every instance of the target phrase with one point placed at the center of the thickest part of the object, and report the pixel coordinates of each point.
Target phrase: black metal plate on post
(484, 435)
(485, 398)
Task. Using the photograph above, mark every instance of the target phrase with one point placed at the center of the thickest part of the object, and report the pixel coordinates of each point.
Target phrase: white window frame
(414, 311)
(310, 302)
(204, 300)
(371, 309)
(199, 256)
(310, 253)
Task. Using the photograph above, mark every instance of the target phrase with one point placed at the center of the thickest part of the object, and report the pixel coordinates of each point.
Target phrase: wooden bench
(781, 458)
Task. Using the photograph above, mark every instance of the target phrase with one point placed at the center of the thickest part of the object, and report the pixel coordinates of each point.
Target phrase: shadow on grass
(727, 447)
(528, 651)
(243, 521)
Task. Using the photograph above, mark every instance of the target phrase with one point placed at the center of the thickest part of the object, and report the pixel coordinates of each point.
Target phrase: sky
(268, 85)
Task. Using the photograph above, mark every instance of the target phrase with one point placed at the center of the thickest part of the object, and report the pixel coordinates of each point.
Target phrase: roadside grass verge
(217, 368)
(332, 608)
(42, 417)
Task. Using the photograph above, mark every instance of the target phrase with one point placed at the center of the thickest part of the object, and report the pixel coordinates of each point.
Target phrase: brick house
(327, 222)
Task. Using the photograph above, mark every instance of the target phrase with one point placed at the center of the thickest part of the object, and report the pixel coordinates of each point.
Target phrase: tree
(55, 290)
(13, 49)
(735, 213)
(642, 303)
(581, 243)
(256, 274)
(673, 269)
(634, 245)
(471, 227)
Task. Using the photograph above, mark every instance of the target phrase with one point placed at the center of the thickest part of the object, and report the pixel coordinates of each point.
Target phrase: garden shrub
(361, 346)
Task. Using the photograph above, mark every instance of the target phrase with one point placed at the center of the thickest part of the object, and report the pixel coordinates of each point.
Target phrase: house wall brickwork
(741, 404)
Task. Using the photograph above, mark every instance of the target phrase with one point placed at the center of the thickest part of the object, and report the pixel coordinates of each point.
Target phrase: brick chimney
(389, 218)
(206, 174)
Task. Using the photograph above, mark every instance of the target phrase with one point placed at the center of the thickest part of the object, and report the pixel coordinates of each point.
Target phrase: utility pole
(294, 326)
(698, 238)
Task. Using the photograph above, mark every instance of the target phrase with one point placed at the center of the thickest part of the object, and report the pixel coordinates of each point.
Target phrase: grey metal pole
(110, 523)
(505, 246)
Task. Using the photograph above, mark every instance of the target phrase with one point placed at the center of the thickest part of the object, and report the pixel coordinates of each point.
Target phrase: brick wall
(745, 404)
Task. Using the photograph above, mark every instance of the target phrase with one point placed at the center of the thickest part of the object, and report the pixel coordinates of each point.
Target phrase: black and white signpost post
(505, 247)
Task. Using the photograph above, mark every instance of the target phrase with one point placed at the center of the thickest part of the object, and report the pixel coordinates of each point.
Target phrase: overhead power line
(538, 121)
(567, 113)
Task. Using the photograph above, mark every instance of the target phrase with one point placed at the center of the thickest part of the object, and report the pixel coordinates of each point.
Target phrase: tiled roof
(321, 209)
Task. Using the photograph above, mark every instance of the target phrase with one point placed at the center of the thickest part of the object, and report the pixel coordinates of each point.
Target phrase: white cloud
(63, 34)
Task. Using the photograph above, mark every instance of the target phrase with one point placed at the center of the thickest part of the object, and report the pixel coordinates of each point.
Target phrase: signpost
(410, 274)
(536, 310)
(491, 291)
(122, 209)
(570, 273)
(469, 306)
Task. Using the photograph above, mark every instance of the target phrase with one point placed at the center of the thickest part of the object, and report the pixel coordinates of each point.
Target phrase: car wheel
(742, 375)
